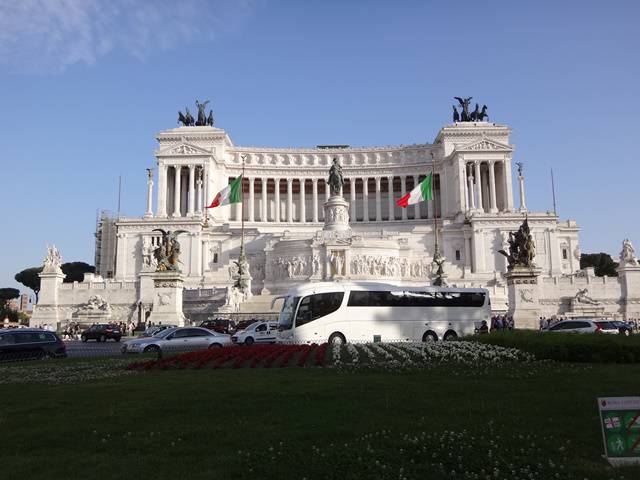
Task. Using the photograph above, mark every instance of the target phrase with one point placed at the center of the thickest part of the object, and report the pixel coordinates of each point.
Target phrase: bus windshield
(285, 320)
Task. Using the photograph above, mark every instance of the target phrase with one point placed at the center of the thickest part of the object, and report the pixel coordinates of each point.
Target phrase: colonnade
(487, 186)
(300, 200)
(180, 190)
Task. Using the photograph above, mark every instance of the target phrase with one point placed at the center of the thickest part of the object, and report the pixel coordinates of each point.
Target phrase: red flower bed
(239, 356)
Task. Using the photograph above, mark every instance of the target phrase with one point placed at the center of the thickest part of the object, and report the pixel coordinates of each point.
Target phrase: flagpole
(242, 217)
(553, 192)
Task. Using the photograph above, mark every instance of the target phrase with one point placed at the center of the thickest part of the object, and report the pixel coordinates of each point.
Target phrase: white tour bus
(368, 312)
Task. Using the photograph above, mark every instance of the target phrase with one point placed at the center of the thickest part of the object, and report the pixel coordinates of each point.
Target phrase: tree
(7, 294)
(75, 271)
(30, 279)
(602, 262)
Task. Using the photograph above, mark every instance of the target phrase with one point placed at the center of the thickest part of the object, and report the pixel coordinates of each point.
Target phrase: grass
(572, 347)
(527, 421)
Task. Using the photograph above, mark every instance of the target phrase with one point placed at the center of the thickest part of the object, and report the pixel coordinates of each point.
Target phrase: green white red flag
(232, 193)
(421, 193)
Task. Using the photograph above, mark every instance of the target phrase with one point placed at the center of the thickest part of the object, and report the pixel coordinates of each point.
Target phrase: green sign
(620, 423)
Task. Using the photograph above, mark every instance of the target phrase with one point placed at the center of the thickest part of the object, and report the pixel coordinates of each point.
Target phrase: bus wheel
(450, 335)
(337, 339)
(429, 337)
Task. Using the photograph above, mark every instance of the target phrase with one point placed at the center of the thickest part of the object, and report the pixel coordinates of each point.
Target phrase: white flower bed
(396, 356)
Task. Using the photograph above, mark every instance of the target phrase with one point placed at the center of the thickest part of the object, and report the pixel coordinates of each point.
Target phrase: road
(79, 349)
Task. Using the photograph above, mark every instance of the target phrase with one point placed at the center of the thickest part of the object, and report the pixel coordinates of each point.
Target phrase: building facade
(285, 190)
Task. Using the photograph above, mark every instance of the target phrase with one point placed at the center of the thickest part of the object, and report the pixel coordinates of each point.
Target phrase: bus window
(285, 320)
(408, 298)
(318, 305)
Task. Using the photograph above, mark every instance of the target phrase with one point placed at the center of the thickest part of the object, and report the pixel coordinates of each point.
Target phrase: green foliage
(602, 262)
(569, 347)
(75, 271)
(7, 294)
(30, 279)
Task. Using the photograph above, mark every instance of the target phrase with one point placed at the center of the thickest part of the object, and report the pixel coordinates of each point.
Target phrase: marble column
(289, 200)
(390, 199)
(252, 199)
(352, 196)
(199, 191)
(149, 212)
(472, 194)
(463, 175)
(492, 187)
(176, 192)
(327, 191)
(239, 209)
(467, 251)
(303, 207)
(365, 199)
(416, 207)
(403, 192)
(162, 191)
(263, 209)
(276, 201)
(314, 198)
(378, 200)
(523, 203)
(508, 185)
(479, 186)
(192, 190)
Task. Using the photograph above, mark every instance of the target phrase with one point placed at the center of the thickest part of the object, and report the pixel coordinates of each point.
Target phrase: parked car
(220, 325)
(574, 326)
(30, 343)
(177, 340)
(101, 332)
(258, 332)
(624, 328)
(151, 331)
(608, 326)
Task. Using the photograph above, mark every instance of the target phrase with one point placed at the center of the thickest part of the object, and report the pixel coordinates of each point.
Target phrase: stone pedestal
(167, 299)
(524, 297)
(629, 278)
(336, 214)
(46, 311)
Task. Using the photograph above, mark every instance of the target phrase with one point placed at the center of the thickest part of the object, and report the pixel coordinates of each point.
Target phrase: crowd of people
(498, 323)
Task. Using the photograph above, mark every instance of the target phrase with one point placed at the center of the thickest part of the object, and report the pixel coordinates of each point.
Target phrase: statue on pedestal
(53, 260)
(522, 248)
(336, 180)
(168, 252)
(628, 253)
(202, 117)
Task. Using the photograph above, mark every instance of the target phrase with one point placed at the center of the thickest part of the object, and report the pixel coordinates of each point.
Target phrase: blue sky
(85, 86)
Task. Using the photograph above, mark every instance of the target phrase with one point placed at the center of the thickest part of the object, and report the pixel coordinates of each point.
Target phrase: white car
(177, 340)
(258, 332)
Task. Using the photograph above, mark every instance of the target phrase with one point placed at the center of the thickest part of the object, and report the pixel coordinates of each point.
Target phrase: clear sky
(85, 86)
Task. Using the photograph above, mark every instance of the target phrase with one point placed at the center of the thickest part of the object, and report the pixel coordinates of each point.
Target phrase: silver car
(177, 340)
(575, 326)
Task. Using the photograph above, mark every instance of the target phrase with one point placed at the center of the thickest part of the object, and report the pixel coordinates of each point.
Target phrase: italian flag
(421, 193)
(232, 193)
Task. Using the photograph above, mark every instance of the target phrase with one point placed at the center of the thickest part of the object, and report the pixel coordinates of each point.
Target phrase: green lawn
(528, 421)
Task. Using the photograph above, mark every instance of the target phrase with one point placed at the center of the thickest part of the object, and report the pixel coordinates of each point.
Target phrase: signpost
(620, 424)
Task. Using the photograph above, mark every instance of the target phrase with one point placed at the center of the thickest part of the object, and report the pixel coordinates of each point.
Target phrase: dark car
(101, 332)
(624, 328)
(29, 344)
(220, 325)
